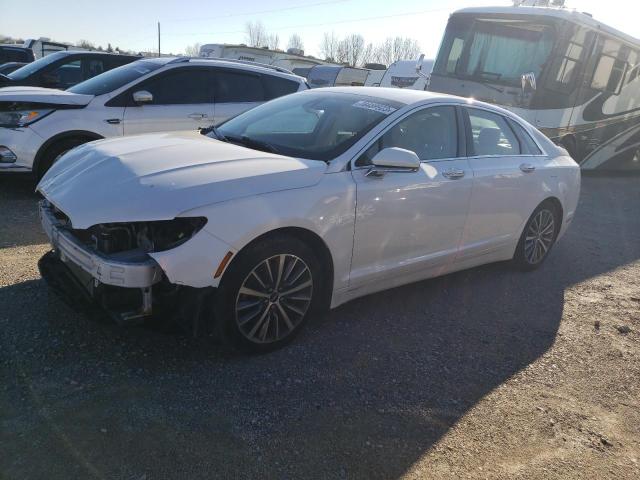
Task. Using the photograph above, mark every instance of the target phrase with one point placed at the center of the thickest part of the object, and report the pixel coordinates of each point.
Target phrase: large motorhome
(576, 79)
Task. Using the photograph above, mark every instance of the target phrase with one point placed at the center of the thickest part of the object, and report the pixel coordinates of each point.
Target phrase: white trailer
(413, 74)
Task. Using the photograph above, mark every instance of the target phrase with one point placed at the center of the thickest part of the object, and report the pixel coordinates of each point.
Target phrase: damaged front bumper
(128, 269)
(130, 286)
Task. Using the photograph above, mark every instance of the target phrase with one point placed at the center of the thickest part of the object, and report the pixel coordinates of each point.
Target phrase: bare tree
(368, 54)
(398, 48)
(256, 34)
(351, 49)
(329, 47)
(192, 50)
(273, 41)
(85, 44)
(295, 41)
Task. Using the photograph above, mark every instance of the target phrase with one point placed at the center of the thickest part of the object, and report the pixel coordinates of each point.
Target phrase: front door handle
(198, 116)
(527, 167)
(453, 174)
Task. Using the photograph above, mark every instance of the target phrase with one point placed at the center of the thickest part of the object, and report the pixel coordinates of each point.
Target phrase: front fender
(326, 209)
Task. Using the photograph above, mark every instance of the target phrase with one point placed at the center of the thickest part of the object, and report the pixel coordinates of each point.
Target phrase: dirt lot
(488, 373)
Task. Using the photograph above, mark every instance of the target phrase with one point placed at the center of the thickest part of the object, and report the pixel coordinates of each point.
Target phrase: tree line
(351, 49)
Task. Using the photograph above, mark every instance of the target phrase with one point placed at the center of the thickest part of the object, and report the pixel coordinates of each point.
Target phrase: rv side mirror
(142, 96)
(530, 80)
(419, 63)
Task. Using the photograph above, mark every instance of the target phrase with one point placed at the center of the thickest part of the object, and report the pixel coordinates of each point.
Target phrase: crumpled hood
(43, 95)
(158, 176)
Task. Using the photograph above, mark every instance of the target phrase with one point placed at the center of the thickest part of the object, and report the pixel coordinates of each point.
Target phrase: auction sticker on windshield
(376, 107)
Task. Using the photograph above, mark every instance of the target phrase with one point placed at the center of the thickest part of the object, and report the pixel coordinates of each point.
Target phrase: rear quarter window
(238, 87)
(527, 145)
(275, 87)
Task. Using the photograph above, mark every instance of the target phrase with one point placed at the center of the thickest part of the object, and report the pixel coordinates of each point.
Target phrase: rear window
(238, 87)
(491, 134)
(277, 87)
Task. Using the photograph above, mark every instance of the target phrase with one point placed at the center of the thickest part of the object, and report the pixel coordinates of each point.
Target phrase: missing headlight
(157, 236)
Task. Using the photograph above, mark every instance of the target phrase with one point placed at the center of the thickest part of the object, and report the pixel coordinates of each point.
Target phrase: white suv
(38, 125)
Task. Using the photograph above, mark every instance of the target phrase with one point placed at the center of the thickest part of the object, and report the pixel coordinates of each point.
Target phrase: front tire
(538, 237)
(268, 293)
(54, 152)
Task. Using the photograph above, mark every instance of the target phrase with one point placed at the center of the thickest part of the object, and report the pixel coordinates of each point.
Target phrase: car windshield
(33, 67)
(114, 79)
(314, 125)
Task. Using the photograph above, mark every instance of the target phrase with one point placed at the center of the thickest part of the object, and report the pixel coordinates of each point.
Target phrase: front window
(116, 78)
(313, 125)
(431, 133)
(494, 50)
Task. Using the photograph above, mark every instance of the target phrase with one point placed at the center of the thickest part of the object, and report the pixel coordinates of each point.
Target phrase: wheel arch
(309, 237)
(557, 204)
(59, 137)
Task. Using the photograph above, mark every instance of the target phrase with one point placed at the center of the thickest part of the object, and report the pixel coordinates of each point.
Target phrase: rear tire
(538, 237)
(268, 293)
(54, 152)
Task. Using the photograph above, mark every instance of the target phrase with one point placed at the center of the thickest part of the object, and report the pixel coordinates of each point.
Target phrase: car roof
(402, 95)
(410, 97)
(230, 63)
(69, 53)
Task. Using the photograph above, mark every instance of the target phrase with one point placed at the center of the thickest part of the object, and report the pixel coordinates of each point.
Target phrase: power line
(337, 22)
(258, 12)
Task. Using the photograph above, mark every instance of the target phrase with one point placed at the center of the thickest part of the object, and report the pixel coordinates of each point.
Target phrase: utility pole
(158, 38)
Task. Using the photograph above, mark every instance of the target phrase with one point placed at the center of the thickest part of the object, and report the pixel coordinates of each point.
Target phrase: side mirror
(142, 96)
(393, 159)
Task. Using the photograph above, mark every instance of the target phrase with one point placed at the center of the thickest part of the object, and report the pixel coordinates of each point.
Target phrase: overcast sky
(132, 24)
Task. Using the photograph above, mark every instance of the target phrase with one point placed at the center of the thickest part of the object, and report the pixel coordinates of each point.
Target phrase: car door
(409, 224)
(235, 91)
(507, 183)
(182, 100)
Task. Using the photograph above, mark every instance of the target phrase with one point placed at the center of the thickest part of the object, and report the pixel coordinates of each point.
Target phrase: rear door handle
(113, 121)
(527, 167)
(453, 174)
(198, 116)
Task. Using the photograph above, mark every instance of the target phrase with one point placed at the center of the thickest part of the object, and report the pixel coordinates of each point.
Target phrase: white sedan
(300, 204)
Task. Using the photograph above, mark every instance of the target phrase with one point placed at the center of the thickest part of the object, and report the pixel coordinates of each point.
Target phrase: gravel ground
(488, 373)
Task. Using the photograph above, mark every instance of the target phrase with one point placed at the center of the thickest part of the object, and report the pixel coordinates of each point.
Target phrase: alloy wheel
(274, 298)
(539, 237)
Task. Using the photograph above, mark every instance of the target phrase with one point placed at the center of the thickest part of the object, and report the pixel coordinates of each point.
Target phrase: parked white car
(302, 203)
(38, 125)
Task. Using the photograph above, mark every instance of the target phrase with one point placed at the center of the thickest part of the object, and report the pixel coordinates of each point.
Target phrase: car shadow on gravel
(19, 204)
(364, 392)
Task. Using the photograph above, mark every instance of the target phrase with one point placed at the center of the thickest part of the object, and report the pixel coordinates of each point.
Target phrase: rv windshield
(494, 50)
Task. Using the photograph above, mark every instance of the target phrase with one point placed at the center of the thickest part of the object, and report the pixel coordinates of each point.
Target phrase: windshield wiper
(216, 133)
(253, 143)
